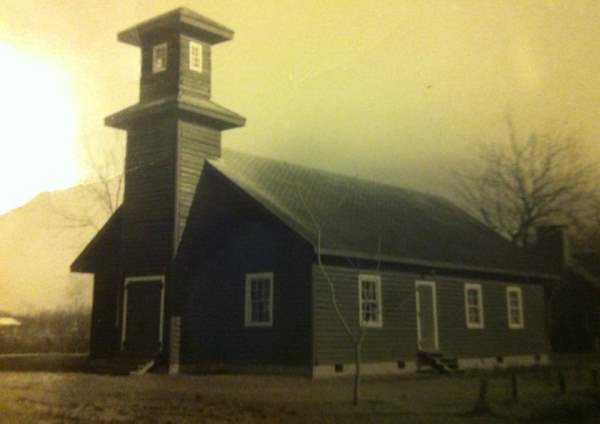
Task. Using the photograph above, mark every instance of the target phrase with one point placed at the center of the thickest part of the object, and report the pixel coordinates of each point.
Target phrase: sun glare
(38, 128)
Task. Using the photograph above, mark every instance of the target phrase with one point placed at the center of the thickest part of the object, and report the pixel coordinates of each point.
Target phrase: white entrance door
(426, 302)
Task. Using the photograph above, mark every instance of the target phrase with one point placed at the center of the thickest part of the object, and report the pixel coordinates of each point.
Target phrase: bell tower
(171, 131)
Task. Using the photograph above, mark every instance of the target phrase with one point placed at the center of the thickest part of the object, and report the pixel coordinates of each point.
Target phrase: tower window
(196, 62)
(159, 58)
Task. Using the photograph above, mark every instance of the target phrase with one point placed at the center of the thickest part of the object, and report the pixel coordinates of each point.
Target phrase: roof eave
(181, 19)
(222, 120)
(432, 264)
(83, 263)
(580, 270)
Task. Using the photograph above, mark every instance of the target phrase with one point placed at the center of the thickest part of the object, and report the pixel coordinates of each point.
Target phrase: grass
(77, 397)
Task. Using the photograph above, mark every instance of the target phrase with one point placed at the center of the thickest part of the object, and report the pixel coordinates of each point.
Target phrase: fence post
(481, 407)
(562, 384)
(514, 385)
(594, 373)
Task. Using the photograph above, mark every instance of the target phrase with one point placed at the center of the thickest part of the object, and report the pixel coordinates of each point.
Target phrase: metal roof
(203, 109)
(353, 217)
(356, 218)
(183, 19)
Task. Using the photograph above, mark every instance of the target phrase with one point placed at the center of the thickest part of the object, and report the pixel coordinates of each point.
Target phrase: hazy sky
(389, 90)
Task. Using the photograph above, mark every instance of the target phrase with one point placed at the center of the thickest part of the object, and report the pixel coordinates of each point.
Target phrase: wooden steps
(123, 364)
(436, 361)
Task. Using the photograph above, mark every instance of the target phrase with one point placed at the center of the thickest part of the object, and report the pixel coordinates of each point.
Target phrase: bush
(64, 331)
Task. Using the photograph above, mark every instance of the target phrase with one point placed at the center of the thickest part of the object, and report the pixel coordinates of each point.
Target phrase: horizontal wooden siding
(496, 338)
(149, 203)
(396, 340)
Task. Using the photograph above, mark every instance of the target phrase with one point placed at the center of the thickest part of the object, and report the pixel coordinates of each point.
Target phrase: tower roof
(183, 20)
(201, 109)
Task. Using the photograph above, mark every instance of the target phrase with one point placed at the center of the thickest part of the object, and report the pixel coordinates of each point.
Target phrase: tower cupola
(172, 130)
(176, 69)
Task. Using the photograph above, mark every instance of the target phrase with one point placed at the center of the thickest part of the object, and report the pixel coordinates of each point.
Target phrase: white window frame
(200, 67)
(248, 322)
(474, 325)
(129, 280)
(159, 67)
(377, 279)
(515, 325)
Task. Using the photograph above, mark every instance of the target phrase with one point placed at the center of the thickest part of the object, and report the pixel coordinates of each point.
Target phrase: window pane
(473, 315)
(195, 57)
(514, 308)
(260, 300)
(159, 58)
(515, 313)
(515, 316)
(369, 301)
(472, 297)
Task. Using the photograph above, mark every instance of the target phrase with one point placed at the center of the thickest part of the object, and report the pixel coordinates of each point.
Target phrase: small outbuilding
(574, 301)
(9, 327)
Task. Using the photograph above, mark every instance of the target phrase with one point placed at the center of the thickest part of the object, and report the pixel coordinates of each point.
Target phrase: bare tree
(101, 192)
(517, 184)
(107, 177)
(356, 336)
(352, 327)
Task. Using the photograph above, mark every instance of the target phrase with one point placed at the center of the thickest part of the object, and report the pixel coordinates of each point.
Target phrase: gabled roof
(352, 217)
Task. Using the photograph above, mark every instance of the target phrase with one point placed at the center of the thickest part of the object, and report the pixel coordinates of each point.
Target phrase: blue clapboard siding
(397, 339)
(105, 331)
(161, 84)
(104, 336)
(496, 338)
(239, 237)
(196, 143)
(193, 83)
(149, 201)
(177, 78)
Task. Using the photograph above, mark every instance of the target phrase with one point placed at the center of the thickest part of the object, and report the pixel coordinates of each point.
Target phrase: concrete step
(428, 361)
(123, 364)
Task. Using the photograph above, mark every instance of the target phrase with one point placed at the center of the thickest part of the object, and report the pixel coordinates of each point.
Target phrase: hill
(39, 242)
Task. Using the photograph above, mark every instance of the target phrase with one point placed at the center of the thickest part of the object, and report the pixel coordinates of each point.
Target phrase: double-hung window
(259, 300)
(195, 58)
(159, 58)
(514, 306)
(473, 306)
(369, 292)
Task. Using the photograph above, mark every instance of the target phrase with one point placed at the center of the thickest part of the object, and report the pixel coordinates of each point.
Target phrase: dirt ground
(28, 397)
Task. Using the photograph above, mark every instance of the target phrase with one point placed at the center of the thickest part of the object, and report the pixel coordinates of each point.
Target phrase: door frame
(129, 280)
(431, 284)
